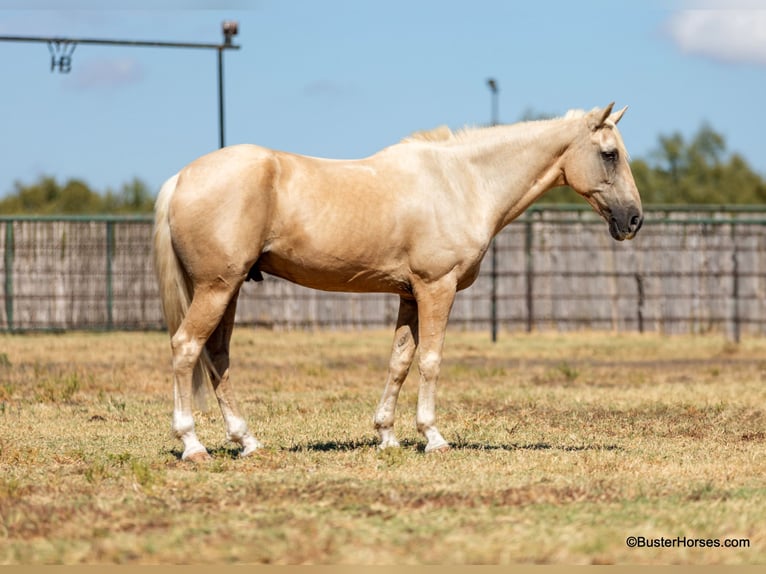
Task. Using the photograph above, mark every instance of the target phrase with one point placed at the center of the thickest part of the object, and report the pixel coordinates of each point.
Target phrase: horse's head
(596, 166)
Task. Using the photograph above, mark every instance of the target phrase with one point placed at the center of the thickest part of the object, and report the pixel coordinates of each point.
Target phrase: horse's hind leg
(405, 344)
(203, 316)
(218, 349)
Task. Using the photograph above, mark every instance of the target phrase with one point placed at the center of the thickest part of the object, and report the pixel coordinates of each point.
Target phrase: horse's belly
(339, 276)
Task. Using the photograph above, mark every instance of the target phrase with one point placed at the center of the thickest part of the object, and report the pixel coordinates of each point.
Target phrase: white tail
(174, 284)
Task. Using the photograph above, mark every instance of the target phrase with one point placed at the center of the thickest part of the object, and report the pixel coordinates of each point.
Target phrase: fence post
(735, 284)
(530, 274)
(8, 263)
(109, 286)
(493, 293)
(641, 299)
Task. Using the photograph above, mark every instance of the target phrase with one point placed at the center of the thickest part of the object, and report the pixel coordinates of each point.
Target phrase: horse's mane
(583, 113)
(438, 134)
(575, 114)
(444, 134)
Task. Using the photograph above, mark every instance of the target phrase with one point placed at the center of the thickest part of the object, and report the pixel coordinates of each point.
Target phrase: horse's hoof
(200, 457)
(439, 448)
(250, 452)
(250, 445)
(388, 444)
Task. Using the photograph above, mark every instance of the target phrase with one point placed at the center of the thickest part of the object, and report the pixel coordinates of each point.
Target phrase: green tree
(133, 197)
(47, 197)
(76, 198)
(33, 198)
(697, 171)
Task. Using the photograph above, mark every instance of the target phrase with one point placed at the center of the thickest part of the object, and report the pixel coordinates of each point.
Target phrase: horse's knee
(429, 365)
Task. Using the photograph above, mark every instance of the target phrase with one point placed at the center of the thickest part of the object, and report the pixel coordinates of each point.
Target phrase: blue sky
(344, 79)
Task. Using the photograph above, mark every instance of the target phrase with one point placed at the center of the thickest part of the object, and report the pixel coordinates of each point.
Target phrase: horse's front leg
(434, 306)
(402, 353)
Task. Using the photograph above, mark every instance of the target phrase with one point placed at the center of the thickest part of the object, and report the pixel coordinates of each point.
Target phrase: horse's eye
(610, 155)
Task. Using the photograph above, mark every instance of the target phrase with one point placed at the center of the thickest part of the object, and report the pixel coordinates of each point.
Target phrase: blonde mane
(443, 134)
(438, 134)
(583, 113)
(574, 114)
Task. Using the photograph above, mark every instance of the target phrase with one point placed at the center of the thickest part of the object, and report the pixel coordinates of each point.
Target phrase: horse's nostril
(635, 221)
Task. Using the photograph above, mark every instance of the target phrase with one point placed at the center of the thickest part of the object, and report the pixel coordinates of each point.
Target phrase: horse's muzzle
(625, 225)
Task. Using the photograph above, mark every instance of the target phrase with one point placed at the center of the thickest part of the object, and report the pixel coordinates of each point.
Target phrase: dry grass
(564, 445)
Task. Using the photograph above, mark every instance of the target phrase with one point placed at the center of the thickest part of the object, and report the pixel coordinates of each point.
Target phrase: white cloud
(734, 36)
(104, 74)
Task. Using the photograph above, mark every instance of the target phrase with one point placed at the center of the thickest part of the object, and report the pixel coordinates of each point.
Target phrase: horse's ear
(615, 117)
(597, 118)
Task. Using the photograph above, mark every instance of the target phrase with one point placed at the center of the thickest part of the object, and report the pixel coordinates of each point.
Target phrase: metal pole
(230, 29)
(493, 295)
(107, 42)
(220, 98)
(495, 106)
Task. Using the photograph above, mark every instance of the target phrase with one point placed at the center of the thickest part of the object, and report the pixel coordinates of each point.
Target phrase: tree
(76, 198)
(48, 197)
(133, 197)
(696, 172)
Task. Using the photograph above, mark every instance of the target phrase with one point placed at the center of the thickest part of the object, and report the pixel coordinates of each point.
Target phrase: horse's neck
(515, 165)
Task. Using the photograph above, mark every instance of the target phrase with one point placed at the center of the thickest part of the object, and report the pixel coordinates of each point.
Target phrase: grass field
(563, 447)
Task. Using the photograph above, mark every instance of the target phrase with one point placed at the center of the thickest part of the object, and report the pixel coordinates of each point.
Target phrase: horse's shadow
(341, 446)
(538, 446)
(232, 452)
(352, 445)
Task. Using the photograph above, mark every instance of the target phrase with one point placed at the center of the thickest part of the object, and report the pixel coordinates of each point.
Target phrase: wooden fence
(689, 271)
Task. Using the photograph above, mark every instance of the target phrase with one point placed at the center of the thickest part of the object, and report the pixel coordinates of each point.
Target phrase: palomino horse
(414, 219)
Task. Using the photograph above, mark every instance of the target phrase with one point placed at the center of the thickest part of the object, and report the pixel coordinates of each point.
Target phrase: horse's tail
(174, 284)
